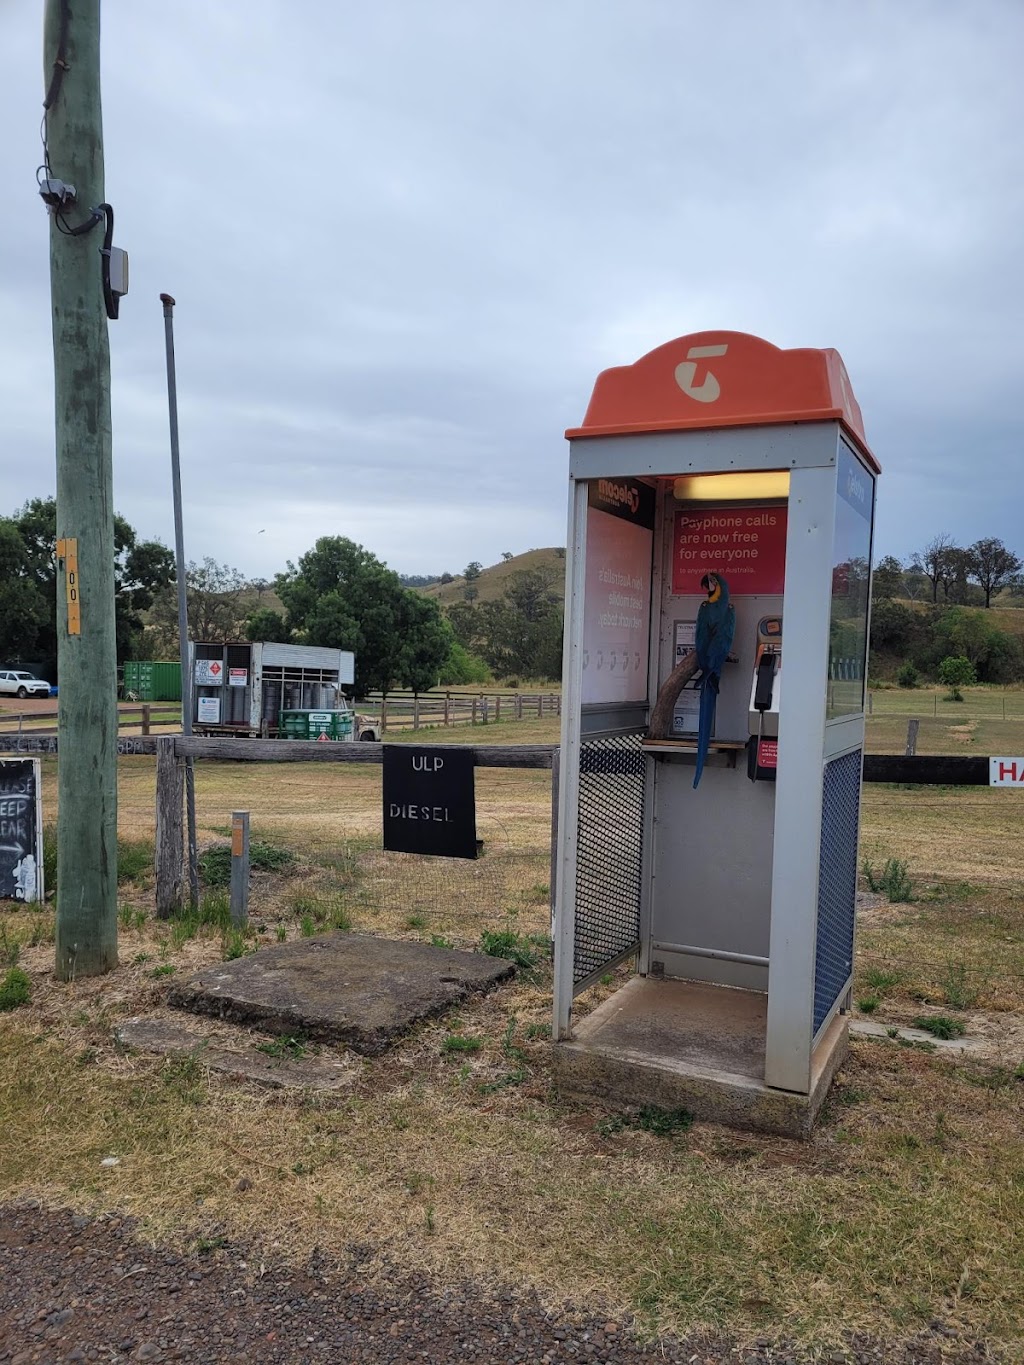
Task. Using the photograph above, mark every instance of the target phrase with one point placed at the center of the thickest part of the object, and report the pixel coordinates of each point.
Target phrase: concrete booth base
(694, 1046)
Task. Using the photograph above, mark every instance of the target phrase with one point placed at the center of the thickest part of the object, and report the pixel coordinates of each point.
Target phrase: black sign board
(429, 803)
(21, 832)
(626, 498)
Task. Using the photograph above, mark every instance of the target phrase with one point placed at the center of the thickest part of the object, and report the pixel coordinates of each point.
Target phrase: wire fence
(979, 703)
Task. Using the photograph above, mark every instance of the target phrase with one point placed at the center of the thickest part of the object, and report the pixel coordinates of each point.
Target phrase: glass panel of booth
(851, 585)
(617, 591)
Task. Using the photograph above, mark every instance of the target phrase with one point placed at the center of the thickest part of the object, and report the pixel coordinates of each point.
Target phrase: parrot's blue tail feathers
(706, 723)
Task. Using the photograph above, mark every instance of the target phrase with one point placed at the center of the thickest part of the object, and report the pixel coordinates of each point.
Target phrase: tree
(506, 555)
(991, 565)
(25, 609)
(461, 667)
(519, 633)
(887, 580)
(956, 672)
(955, 585)
(934, 562)
(215, 603)
(472, 571)
(142, 568)
(264, 624)
(343, 596)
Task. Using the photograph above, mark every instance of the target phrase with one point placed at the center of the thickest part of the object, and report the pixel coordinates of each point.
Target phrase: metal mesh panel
(837, 882)
(609, 851)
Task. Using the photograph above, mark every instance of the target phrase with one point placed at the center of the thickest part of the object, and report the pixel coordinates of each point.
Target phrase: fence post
(383, 714)
(497, 709)
(145, 718)
(416, 712)
(447, 708)
(540, 705)
(912, 727)
(473, 719)
(239, 868)
(483, 709)
(169, 858)
(519, 706)
(871, 703)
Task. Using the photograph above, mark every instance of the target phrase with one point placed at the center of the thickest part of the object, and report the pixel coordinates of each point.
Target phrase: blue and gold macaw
(716, 625)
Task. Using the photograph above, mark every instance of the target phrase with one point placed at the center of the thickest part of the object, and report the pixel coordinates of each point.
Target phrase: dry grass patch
(905, 1206)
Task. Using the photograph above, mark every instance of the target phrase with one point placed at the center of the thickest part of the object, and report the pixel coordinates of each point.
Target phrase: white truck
(290, 691)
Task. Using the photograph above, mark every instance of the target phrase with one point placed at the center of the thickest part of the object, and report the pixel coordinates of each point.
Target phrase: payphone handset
(765, 695)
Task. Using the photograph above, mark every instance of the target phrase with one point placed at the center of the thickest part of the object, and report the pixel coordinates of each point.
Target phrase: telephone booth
(734, 899)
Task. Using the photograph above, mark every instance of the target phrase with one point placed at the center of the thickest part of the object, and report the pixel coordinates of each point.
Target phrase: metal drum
(271, 701)
(293, 696)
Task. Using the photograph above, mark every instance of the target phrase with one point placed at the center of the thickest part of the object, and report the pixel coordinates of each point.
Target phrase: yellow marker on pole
(67, 553)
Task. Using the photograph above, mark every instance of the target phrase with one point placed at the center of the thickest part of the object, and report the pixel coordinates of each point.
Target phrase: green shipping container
(153, 679)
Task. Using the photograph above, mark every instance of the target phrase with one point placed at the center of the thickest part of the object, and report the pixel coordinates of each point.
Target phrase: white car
(14, 684)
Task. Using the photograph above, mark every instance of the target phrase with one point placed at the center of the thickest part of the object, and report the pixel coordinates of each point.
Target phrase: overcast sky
(405, 236)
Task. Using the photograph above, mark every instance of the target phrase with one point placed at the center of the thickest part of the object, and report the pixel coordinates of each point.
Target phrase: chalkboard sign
(21, 830)
(429, 803)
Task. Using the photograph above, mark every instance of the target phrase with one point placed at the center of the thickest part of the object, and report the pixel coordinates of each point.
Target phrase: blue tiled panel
(837, 882)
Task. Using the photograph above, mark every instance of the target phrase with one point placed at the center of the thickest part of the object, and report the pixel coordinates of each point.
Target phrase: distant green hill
(494, 580)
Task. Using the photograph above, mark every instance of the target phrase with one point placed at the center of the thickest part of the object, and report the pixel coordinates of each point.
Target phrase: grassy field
(907, 1205)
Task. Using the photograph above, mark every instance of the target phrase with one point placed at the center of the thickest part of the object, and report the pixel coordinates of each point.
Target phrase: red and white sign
(238, 677)
(746, 545)
(209, 672)
(768, 753)
(1006, 772)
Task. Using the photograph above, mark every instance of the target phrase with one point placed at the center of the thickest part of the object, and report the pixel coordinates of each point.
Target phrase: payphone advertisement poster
(617, 614)
(747, 545)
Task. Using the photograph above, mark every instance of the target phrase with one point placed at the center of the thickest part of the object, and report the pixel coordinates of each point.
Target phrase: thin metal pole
(239, 868)
(179, 560)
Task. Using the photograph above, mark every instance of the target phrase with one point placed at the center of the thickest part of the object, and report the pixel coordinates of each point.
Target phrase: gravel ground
(80, 1289)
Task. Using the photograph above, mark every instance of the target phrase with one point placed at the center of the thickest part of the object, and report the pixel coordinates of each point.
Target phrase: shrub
(907, 675)
(955, 672)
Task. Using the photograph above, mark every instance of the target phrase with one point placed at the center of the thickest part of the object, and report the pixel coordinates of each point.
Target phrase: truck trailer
(263, 688)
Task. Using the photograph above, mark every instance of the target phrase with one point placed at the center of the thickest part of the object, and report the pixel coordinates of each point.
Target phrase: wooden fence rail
(406, 710)
(145, 714)
(172, 750)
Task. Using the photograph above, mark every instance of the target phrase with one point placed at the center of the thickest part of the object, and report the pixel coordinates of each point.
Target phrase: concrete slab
(171, 1039)
(341, 988)
(695, 1046)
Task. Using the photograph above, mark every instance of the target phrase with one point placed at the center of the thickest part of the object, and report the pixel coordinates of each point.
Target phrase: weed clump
(215, 862)
(940, 1026)
(15, 989)
(525, 950)
(650, 1118)
(893, 880)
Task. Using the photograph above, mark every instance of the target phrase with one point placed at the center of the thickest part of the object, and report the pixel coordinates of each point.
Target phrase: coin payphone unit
(715, 459)
(765, 695)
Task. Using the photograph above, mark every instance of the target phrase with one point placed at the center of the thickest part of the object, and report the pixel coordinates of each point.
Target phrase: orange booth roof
(723, 379)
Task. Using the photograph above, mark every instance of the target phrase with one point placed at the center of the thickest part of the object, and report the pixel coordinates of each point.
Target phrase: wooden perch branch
(661, 717)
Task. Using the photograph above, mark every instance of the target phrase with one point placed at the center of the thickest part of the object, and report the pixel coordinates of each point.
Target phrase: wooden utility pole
(86, 644)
